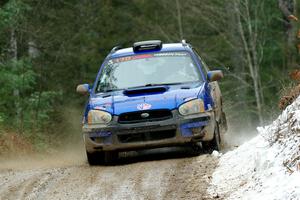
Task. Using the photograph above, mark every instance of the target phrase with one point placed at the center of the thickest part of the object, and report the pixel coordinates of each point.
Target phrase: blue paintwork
(186, 131)
(117, 102)
(101, 134)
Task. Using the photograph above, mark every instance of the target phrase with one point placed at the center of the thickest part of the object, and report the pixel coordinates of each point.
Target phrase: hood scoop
(145, 90)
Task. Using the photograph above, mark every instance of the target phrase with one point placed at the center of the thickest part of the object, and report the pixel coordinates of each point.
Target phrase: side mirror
(214, 75)
(83, 89)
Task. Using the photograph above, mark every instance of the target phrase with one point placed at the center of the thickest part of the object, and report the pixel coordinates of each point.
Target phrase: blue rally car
(152, 95)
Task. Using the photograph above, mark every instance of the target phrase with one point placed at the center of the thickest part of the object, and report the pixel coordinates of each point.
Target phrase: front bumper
(172, 132)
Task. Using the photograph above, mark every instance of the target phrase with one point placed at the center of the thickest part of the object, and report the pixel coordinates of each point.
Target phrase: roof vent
(147, 45)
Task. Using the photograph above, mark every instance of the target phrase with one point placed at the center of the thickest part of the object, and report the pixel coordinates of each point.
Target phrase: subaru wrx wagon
(152, 95)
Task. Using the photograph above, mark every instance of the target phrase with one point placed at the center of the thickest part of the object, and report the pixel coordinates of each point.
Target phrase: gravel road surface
(155, 174)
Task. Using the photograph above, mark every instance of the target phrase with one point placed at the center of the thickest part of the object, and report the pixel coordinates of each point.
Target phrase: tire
(196, 149)
(110, 157)
(95, 158)
(215, 143)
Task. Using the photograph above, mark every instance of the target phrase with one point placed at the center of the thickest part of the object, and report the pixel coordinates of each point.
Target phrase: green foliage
(41, 108)
(21, 103)
(17, 80)
(12, 12)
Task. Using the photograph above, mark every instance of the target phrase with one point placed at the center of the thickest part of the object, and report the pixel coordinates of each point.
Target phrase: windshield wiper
(140, 86)
(109, 90)
(154, 84)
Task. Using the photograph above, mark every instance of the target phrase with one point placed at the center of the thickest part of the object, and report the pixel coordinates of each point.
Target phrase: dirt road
(150, 175)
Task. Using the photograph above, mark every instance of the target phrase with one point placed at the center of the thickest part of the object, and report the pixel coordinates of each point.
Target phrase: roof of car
(165, 48)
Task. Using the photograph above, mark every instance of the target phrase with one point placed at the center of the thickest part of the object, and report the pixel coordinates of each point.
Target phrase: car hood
(170, 98)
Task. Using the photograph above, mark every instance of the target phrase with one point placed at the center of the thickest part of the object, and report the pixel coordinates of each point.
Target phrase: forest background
(49, 47)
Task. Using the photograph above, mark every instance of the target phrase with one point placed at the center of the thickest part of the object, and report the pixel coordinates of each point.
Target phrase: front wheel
(215, 143)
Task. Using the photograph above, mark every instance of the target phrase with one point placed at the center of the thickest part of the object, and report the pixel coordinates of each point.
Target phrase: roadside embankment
(266, 167)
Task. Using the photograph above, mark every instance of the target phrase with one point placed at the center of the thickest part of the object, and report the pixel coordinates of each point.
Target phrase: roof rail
(184, 43)
(147, 45)
(116, 48)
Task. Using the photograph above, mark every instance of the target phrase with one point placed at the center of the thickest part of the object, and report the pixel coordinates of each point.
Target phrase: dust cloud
(60, 158)
(69, 149)
(235, 137)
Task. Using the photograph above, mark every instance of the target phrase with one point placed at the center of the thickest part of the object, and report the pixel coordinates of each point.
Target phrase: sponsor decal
(143, 106)
(171, 54)
(128, 58)
(142, 56)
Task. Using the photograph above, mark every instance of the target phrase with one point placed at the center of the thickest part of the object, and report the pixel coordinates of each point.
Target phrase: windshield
(148, 69)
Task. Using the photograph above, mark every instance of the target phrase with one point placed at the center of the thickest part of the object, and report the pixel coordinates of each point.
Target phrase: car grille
(146, 136)
(145, 116)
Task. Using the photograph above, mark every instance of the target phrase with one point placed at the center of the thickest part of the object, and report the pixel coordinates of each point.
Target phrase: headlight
(98, 117)
(192, 107)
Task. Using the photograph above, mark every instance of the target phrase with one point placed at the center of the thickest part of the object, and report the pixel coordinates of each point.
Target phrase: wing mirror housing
(83, 89)
(214, 75)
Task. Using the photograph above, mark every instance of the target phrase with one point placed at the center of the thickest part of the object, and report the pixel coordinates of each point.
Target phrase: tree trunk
(13, 44)
(16, 91)
(249, 47)
(287, 8)
(179, 20)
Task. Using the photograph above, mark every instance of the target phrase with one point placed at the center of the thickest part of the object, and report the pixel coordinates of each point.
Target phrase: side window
(205, 67)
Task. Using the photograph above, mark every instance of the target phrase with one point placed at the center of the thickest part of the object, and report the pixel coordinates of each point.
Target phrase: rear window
(148, 69)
